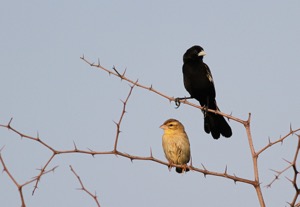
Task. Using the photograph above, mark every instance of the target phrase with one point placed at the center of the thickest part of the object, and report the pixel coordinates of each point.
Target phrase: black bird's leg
(177, 101)
(206, 107)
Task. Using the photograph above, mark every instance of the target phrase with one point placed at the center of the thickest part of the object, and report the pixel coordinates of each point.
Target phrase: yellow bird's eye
(172, 125)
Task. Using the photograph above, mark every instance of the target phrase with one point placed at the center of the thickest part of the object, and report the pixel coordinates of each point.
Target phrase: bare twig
(292, 165)
(121, 117)
(42, 170)
(20, 186)
(280, 140)
(296, 173)
(84, 189)
(276, 177)
(254, 155)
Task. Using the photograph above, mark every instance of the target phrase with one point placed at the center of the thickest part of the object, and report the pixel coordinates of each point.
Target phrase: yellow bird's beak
(163, 127)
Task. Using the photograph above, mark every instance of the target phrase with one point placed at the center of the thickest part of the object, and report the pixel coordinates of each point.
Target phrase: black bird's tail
(216, 125)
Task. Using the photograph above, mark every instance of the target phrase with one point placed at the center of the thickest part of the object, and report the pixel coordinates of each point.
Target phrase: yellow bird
(176, 144)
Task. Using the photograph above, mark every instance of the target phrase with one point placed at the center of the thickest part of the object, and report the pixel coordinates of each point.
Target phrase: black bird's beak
(201, 53)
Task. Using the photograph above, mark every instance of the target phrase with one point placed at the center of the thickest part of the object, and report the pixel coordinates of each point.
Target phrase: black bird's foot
(177, 102)
(205, 110)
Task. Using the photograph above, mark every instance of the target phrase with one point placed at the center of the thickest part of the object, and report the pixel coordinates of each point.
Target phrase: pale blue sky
(252, 49)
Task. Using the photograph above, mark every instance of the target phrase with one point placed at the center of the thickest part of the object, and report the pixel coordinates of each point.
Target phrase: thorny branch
(246, 123)
(121, 117)
(113, 152)
(133, 157)
(292, 165)
(20, 186)
(150, 88)
(280, 140)
(83, 188)
(255, 182)
(296, 173)
(255, 163)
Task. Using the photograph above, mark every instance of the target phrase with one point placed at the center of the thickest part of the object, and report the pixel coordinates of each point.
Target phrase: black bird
(198, 81)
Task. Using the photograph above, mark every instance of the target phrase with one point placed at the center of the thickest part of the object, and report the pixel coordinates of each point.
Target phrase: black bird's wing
(198, 81)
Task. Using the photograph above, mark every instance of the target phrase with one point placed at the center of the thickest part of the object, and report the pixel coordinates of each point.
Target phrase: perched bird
(198, 81)
(176, 144)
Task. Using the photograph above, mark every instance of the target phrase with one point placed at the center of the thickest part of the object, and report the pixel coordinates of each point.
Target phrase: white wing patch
(208, 74)
(210, 77)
